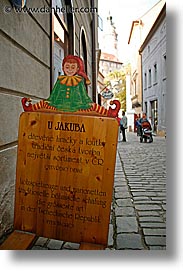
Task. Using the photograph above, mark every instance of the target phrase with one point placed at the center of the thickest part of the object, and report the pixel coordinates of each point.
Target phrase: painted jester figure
(69, 93)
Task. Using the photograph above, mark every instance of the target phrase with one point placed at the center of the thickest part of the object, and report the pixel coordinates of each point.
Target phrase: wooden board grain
(91, 246)
(65, 174)
(18, 241)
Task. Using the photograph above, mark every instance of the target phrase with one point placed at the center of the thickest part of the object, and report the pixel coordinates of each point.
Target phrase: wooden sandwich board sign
(65, 175)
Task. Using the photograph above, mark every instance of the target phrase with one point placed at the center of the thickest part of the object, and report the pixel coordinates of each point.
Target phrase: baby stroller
(146, 131)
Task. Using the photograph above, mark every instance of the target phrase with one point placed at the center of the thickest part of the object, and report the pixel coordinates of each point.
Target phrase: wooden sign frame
(65, 175)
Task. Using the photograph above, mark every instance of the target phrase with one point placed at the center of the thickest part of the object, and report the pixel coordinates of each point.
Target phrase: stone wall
(25, 71)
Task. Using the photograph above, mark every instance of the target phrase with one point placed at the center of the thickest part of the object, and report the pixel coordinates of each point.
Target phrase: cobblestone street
(138, 211)
(139, 205)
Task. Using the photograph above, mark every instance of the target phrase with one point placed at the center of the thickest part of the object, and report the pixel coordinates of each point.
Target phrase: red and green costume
(69, 94)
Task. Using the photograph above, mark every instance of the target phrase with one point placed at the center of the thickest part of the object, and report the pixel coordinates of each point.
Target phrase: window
(83, 48)
(164, 66)
(154, 114)
(135, 87)
(59, 6)
(62, 37)
(58, 57)
(100, 23)
(150, 79)
(145, 107)
(145, 80)
(155, 73)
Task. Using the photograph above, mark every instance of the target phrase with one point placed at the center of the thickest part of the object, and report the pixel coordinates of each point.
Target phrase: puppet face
(70, 68)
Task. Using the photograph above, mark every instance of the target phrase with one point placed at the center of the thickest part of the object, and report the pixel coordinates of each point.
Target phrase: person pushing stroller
(144, 129)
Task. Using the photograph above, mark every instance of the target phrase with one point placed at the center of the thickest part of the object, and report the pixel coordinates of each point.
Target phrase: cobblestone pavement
(138, 211)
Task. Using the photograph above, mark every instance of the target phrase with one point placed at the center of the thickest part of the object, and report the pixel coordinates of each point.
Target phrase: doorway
(154, 114)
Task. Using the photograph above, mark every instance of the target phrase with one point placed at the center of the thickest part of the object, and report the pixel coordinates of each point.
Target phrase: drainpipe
(142, 90)
(51, 49)
(94, 67)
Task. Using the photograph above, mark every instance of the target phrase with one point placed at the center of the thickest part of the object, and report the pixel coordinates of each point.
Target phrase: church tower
(110, 38)
(109, 61)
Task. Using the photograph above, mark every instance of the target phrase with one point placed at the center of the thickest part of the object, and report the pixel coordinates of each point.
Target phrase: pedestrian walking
(138, 125)
(123, 126)
(119, 130)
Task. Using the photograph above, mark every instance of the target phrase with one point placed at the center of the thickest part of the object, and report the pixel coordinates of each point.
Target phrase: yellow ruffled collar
(70, 80)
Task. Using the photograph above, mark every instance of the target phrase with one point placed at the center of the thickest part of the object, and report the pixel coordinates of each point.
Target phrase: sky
(123, 13)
